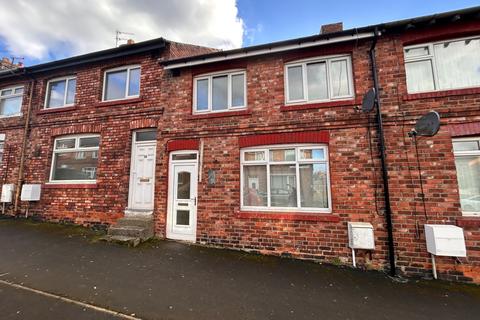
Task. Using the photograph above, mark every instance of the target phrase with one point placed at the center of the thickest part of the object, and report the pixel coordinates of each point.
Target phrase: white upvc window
(75, 159)
(287, 178)
(121, 83)
(226, 91)
(467, 162)
(60, 92)
(11, 101)
(2, 145)
(443, 65)
(319, 80)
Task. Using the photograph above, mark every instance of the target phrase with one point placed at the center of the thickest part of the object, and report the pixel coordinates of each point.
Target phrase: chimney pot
(130, 41)
(331, 28)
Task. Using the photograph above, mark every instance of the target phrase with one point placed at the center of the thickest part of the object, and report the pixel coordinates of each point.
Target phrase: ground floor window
(285, 178)
(2, 145)
(75, 159)
(467, 161)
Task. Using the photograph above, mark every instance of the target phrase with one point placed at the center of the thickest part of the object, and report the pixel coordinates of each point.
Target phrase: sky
(45, 30)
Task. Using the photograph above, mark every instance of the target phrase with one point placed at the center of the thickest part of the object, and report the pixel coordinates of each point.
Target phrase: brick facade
(165, 103)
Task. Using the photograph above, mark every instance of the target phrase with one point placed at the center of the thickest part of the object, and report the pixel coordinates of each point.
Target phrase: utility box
(7, 193)
(445, 240)
(30, 192)
(360, 235)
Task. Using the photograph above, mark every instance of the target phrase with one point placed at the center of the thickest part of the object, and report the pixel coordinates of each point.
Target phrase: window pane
(255, 186)
(115, 86)
(150, 135)
(19, 91)
(10, 106)
(254, 156)
(282, 155)
(1, 150)
(415, 52)
(313, 185)
(185, 156)
(71, 87)
(339, 78)
(419, 76)
(56, 94)
(295, 83)
(183, 217)
(6, 92)
(468, 175)
(283, 190)
(238, 90)
(69, 166)
(89, 142)
(312, 154)
(202, 94)
(458, 64)
(134, 82)
(183, 185)
(65, 144)
(466, 145)
(220, 93)
(317, 81)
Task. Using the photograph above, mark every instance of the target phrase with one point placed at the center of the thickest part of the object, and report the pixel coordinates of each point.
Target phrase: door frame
(131, 179)
(169, 225)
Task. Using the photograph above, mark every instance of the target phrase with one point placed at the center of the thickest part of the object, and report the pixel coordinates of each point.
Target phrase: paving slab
(170, 280)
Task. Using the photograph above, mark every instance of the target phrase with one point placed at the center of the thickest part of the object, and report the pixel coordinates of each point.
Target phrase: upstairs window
(467, 162)
(285, 178)
(453, 64)
(220, 92)
(2, 145)
(11, 101)
(60, 92)
(121, 83)
(319, 80)
(75, 159)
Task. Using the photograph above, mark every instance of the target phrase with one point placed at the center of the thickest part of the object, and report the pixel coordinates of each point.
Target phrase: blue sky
(45, 30)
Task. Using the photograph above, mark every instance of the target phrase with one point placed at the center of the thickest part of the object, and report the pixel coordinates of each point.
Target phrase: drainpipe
(388, 209)
(24, 147)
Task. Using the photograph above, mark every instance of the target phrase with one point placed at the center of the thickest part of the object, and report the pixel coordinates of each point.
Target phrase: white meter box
(30, 192)
(7, 193)
(445, 240)
(360, 235)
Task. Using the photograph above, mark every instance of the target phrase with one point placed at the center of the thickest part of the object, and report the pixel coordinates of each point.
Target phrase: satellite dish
(368, 100)
(428, 125)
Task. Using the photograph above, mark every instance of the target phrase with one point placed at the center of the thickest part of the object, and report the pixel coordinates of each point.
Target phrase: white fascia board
(239, 55)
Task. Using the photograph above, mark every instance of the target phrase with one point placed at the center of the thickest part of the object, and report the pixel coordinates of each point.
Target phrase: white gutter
(289, 47)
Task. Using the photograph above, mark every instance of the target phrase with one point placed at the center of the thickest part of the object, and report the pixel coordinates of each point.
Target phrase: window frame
(127, 68)
(433, 60)
(67, 79)
(297, 162)
(2, 146)
(466, 153)
(328, 61)
(209, 77)
(13, 88)
(76, 148)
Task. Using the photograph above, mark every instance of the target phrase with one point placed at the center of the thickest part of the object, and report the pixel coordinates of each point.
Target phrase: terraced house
(262, 148)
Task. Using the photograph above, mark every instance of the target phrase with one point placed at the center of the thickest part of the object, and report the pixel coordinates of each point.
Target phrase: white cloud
(44, 28)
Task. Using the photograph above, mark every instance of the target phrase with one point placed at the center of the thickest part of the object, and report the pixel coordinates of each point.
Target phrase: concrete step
(143, 222)
(130, 241)
(131, 231)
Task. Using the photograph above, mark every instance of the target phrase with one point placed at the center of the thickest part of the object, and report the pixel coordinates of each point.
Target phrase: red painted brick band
(284, 138)
(187, 144)
(464, 129)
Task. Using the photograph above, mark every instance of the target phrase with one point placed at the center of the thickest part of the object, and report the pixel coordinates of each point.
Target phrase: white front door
(142, 178)
(182, 212)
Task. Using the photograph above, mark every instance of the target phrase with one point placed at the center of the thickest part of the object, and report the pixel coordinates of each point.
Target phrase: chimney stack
(331, 28)
(130, 41)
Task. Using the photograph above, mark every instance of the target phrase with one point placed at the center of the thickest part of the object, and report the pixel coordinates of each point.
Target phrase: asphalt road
(168, 280)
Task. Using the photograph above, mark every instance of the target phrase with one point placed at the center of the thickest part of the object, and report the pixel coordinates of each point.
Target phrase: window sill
(118, 102)
(70, 186)
(220, 114)
(319, 105)
(468, 221)
(11, 116)
(439, 94)
(293, 216)
(54, 110)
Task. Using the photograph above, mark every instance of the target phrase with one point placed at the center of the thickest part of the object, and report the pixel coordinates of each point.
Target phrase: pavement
(52, 271)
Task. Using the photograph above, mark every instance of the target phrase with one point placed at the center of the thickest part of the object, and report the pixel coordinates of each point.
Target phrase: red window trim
(183, 144)
(464, 129)
(284, 138)
(218, 67)
(55, 110)
(440, 94)
(318, 105)
(292, 216)
(70, 186)
(319, 52)
(444, 32)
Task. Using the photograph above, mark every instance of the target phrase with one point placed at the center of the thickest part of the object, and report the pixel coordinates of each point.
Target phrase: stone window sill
(293, 216)
(70, 186)
(55, 110)
(440, 94)
(319, 105)
(220, 114)
(119, 102)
